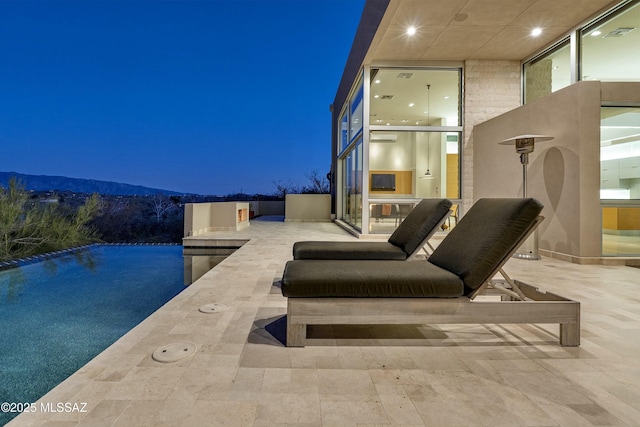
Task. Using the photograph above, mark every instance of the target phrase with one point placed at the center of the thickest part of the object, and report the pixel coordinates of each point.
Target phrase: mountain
(77, 185)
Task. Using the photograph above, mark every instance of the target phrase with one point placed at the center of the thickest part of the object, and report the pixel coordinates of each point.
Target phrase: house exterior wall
(564, 174)
(492, 93)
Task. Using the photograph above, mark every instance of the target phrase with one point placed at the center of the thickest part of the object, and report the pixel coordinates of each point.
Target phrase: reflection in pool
(199, 260)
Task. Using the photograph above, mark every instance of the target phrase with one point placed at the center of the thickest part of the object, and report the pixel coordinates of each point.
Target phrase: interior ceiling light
(411, 30)
(596, 33)
(536, 32)
(411, 104)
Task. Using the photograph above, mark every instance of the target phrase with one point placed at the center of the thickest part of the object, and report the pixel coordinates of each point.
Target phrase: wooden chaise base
(539, 307)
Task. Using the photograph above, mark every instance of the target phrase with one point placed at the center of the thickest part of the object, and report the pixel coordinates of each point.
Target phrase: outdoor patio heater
(524, 146)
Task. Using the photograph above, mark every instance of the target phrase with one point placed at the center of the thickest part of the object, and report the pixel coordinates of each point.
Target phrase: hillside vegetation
(30, 227)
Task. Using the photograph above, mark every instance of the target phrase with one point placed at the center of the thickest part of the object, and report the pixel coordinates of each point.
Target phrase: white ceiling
(476, 29)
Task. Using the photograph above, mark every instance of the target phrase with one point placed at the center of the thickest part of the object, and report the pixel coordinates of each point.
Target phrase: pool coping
(20, 262)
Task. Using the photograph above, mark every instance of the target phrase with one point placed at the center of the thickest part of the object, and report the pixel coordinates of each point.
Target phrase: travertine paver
(361, 375)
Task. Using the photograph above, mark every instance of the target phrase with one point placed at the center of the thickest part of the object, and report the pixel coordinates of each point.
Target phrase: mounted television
(383, 182)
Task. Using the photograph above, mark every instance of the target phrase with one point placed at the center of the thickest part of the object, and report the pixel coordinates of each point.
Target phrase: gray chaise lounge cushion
(465, 259)
(348, 250)
(483, 237)
(406, 239)
(377, 279)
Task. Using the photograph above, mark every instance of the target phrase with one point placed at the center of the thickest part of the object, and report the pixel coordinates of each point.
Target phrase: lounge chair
(406, 241)
(440, 290)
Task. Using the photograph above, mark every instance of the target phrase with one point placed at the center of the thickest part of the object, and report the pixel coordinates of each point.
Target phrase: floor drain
(174, 352)
(213, 308)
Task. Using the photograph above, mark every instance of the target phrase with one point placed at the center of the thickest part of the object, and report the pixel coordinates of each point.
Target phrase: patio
(241, 374)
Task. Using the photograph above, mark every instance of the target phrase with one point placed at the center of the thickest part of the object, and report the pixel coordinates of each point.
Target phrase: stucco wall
(564, 174)
(200, 218)
(267, 207)
(308, 207)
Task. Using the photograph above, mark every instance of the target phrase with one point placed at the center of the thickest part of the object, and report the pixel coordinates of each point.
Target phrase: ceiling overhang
(459, 30)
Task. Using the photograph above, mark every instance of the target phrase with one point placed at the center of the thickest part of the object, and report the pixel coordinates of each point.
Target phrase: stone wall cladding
(491, 88)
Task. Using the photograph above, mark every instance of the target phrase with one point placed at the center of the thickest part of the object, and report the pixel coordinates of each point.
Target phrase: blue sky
(209, 96)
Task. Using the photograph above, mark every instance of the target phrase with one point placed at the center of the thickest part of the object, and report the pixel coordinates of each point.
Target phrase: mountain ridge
(80, 185)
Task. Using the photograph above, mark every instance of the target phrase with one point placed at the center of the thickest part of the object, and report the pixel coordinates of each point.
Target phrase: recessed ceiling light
(446, 97)
(411, 104)
(596, 33)
(461, 17)
(411, 30)
(377, 82)
(376, 96)
(536, 32)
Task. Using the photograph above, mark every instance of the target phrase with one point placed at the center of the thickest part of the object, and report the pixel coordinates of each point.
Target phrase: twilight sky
(208, 96)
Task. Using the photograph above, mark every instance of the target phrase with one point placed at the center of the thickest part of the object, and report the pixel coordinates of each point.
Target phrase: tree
(161, 204)
(284, 188)
(29, 227)
(318, 184)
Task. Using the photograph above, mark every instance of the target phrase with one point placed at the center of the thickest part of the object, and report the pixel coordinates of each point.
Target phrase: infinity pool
(58, 314)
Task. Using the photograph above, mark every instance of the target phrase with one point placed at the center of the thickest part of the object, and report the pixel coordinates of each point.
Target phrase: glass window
(418, 156)
(356, 113)
(620, 153)
(352, 191)
(548, 73)
(609, 47)
(620, 180)
(414, 164)
(403, 97)
(343, 136)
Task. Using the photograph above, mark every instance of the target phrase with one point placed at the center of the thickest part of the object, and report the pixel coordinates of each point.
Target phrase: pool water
(58, 314)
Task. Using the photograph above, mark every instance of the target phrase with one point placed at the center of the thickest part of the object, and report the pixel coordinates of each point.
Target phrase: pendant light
(428, 174)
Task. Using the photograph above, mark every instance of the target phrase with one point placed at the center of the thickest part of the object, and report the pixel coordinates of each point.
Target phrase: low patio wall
(200, 218)
(308, 207)
(267, 207)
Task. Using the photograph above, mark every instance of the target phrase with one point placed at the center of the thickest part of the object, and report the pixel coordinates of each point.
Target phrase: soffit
(476, 29)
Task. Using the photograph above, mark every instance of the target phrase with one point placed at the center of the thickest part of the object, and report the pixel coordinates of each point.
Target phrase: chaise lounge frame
(520, 303)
